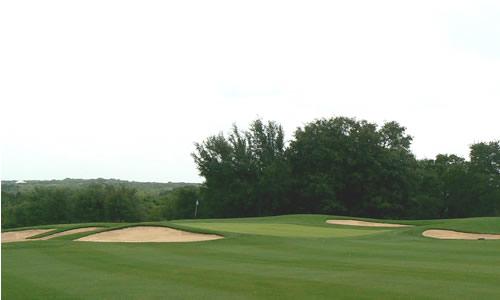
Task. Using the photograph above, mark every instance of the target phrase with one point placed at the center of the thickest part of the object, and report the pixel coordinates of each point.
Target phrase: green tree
(181, 203)
(344, 166)
(245, 173)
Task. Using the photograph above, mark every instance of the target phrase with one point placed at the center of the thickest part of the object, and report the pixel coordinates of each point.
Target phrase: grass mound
(281, 230)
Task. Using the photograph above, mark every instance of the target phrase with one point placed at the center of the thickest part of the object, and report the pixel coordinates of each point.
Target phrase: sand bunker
(364, 223)
(457, 235)
(68, 232)
(145, 234)
(21, 235)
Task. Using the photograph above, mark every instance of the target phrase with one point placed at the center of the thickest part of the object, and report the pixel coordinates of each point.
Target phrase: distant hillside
(149, 188)
(38, 202)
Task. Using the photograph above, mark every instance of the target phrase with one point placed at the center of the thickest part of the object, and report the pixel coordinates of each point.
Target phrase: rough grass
(257, 260)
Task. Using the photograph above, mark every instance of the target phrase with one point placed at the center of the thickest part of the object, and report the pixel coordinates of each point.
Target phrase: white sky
(122, 89)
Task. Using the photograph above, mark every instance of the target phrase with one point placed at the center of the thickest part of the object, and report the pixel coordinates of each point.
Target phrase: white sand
(68, 232)
(19, 236)
(364, 223)
(457, 235)
(145, 234)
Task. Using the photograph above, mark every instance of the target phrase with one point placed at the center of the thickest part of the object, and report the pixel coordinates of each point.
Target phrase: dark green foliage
(451, 187)
(94, 202)
(246, 173)
(346, 166)
(181, 203)
(42, 206)
(343, 166)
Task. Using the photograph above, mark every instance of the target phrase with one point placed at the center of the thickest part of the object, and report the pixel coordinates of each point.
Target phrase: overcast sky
(122, 89)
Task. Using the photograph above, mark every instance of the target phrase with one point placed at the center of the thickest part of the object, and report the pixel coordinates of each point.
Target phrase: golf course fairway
(283, 257)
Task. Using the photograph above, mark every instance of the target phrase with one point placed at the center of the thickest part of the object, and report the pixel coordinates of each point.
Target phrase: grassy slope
(258, 260)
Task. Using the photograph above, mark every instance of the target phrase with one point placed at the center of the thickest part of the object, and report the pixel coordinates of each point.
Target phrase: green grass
(285, 257)
(281, 230)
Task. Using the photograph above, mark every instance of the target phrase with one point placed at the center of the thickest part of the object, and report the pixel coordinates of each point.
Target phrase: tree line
(338, 166)
(342, 166)
(95, 202)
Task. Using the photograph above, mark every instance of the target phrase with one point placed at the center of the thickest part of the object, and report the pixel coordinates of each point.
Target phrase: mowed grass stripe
(282, 230)
(173, 274)
(109, 273)
(146, 272)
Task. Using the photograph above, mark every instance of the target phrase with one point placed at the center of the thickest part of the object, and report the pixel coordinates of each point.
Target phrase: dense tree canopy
(95, 202)
(245, 173)
(343, 166)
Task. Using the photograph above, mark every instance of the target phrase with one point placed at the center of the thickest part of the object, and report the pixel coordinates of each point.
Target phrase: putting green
(283, 230)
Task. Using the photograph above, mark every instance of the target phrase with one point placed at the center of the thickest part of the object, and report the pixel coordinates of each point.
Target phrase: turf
(262, 258)
(281, 230)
